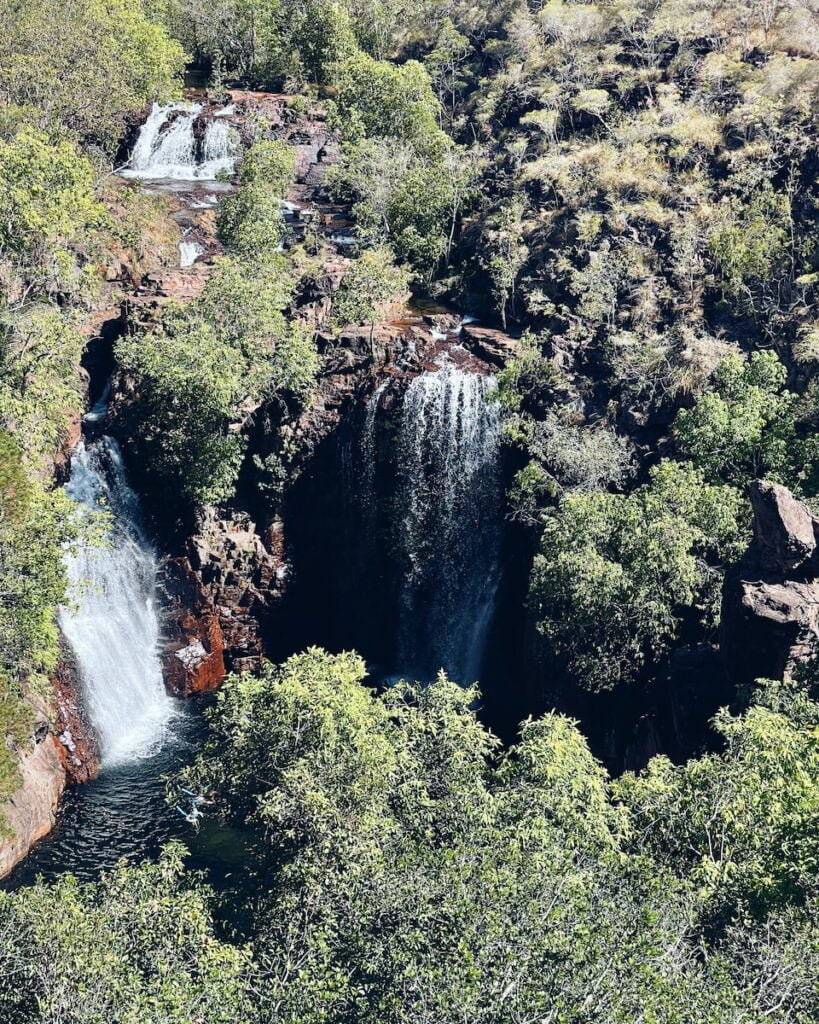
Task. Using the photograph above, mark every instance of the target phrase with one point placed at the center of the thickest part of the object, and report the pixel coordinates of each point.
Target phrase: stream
(448, 491)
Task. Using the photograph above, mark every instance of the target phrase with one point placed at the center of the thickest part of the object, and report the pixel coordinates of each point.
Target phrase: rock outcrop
(29, 813)
(77, 744)
(220, 594)
(770, 612)
(490, 344)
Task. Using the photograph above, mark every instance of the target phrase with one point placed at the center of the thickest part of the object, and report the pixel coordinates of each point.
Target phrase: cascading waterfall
(167, 146)
(112, 624)
(450, 494)
(189, 253)
(367, 445)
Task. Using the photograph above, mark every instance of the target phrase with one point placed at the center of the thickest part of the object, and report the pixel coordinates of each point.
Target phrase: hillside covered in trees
(601, 502)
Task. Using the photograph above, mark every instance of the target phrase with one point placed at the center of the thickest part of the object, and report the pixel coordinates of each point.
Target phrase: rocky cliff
(770, 610)
(59, 750)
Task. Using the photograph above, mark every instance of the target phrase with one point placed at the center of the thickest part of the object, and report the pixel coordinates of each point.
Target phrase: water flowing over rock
(112, 624)
(189, 253)
(174, 143)
(450, 495)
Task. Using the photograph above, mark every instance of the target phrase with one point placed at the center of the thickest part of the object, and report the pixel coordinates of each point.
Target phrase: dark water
(124, 814)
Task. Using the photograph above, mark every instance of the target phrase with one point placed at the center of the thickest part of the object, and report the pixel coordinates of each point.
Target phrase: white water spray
(112, 623)
(450, 498)
(367, 444)
(189, 253)
(167, 146)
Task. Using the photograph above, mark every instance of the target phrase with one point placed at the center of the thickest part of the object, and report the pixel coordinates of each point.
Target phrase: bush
(191, 374)
(48, 212)
(369, 287)
(85, 64)
(744, 427)
(617, 573)
(250, 222)
(40, 385)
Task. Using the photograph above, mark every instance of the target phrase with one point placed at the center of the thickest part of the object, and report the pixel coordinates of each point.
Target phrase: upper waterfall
(168, 146)
(112, 624)
(450, 495)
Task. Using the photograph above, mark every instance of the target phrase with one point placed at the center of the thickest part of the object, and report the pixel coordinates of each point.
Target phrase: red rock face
(193, 659)
(73, 736)
(196, 663)
(219, 595)
(31, 811)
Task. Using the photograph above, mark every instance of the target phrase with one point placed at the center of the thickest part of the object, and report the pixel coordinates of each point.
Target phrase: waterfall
(449, 529)
(367, 445)
(112, 624)
(167, 146)
(189, 253)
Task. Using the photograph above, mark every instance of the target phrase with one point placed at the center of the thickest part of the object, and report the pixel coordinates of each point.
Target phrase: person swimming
(202, 799)
(198, 801)
(192, 816)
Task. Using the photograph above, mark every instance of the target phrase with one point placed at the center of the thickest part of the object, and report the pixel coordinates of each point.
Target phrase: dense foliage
(208, 364)
(83, 65)
(617, 572)
(137, 947)
(409, 870)
(197, 373)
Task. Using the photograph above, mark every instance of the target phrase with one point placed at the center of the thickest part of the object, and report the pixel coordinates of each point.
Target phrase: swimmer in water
(202, 799)
(192, 816)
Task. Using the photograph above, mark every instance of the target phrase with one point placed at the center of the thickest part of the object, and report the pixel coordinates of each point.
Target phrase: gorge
(420, 481)
(409, 512)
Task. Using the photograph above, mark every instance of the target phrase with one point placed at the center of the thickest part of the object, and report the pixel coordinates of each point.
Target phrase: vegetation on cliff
(632, 187)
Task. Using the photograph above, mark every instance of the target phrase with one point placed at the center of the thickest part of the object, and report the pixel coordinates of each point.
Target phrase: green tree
(40, 386)
(321, 32)
(445, 63)
(745, 426)
(369, 287)
(250, 222)
(415, 873)
(411, 201)
(33, 582)
(48, 213)
(376, 98)
(192, 373)
(503, 253)
(751, 246)
(84, 65)
(616, 573)
(137, 945)
(742, 823)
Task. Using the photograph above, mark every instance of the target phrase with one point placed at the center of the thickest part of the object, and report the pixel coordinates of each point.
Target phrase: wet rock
(79, 751)
(489, 344)
(444, 323)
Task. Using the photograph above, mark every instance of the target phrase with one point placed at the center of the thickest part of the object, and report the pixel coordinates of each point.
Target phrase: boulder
(489, 344)
(770, 605)
(784, 530)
